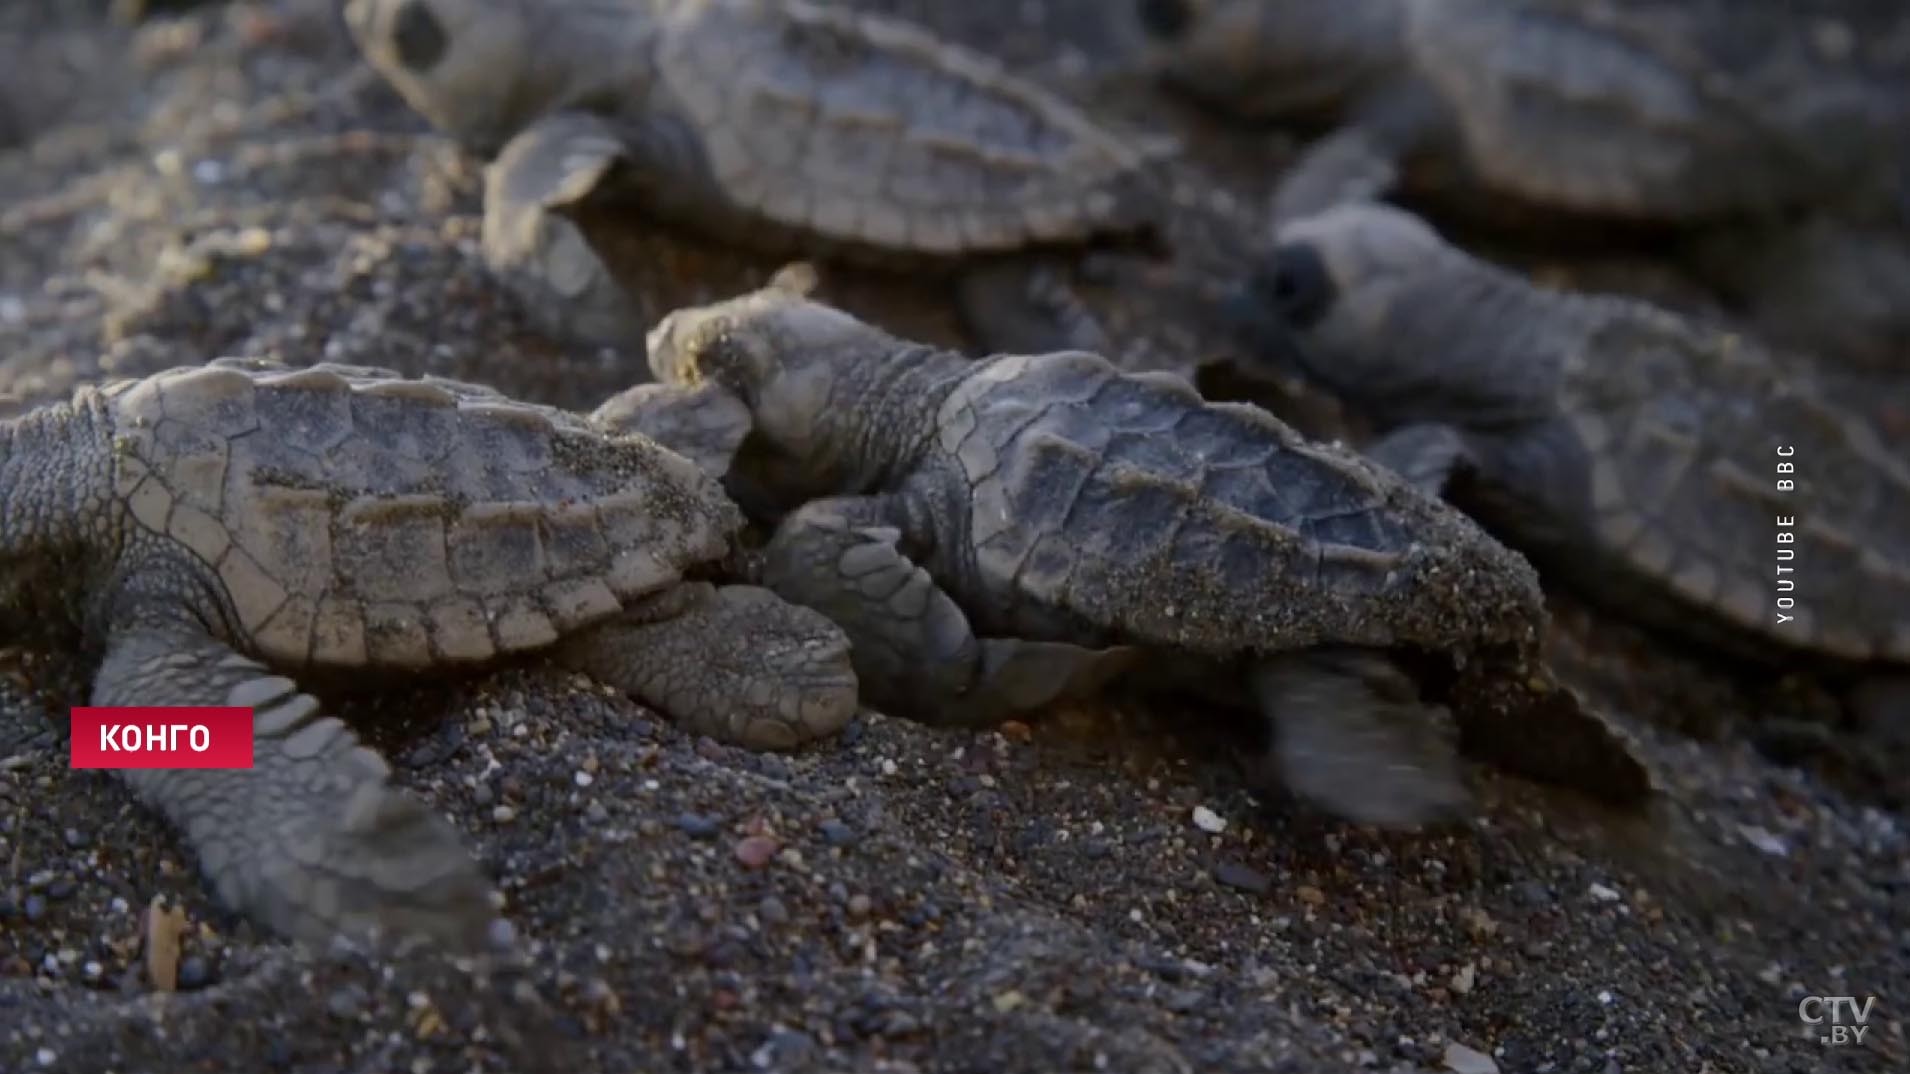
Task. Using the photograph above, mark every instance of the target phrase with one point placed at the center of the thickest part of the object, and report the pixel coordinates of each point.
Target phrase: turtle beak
(1167, 21)
(665, 357)
(1271, 346)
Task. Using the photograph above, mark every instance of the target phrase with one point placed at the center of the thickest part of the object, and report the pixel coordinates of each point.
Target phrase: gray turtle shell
(1127, 502)
(1662, 110)
(870, 132)
(357, 518)
(1683, 428)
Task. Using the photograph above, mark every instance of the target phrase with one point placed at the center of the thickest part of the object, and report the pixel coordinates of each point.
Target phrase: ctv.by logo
(1847, 1018)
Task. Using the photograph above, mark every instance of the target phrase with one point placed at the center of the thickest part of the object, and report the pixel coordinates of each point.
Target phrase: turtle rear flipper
(311, 840)
(1345, 742)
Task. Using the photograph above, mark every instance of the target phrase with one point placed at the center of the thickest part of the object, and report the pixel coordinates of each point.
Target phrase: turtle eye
(1167, 20)
(710, 351)
(1294, 281)
(418, 36)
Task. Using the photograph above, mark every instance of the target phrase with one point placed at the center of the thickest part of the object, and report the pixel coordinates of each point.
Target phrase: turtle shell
(357, 518)
(1726, 478)
(871, 132)
(1128, 503)
(1646, 110)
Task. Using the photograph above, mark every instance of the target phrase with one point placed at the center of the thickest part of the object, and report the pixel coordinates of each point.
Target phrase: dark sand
(936, 900)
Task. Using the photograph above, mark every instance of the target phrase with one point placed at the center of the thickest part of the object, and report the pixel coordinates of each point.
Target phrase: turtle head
(1273, 59)
(1335, 299)
(481, 70)
(793, 361)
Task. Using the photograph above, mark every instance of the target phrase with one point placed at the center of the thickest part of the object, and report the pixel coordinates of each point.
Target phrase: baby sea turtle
(219, 532)
(1672, 470)
(1628, 108)
(1767, 143)
(997, 535)
(788, 127)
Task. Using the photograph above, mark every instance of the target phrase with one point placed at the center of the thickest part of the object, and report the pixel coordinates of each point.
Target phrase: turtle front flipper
(538, 251)
(312, 840)
(705, 424)
(1011, 305)
(1362, 161)
(736, 663)
(1349, 165)
(1349, 736)
(1534, 726)
(1427, 456)
(915, 651)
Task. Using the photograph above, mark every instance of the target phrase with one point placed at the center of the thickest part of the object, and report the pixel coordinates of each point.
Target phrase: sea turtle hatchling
(997, 535)
(217, 531)
(1637, 109)
(1669, 469)
(782, 126)
(1769, 141)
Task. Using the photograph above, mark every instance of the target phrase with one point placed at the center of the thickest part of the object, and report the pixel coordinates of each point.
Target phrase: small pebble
(194, 972)
(773, 912)
(1310, 895)
(36, 907)
(1604, 894)
(836, 833)
(1463, 1060)
(347, 1002)
(504, 814)
(1236, 875)
(77, 839)
(697, 826)
(756, 851)
(1209, 821)
(1764, 841)
(1465, 979)
(785, 1048)
(595, 813)
(859, 906)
